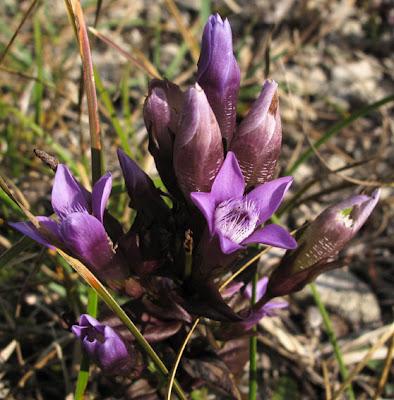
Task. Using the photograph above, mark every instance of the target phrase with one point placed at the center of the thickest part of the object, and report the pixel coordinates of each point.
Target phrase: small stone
(345, 295)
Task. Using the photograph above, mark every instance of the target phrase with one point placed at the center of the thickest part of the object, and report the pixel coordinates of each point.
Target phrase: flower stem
(253, 349)
(331, 336)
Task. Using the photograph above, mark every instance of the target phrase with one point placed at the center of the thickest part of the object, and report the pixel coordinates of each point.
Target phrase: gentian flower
(198, 148)
(236, 218)
(78, 228)
(144, 196)
(320, 243)
(250, 315)
(162, 110)
(218, 73)
(264, 310)
(257, 141)
(103, 345)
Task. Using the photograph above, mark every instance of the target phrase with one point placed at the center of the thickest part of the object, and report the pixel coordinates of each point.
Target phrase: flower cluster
(221, 195)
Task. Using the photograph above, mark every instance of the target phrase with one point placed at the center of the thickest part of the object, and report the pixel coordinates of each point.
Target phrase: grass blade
(138, 59)
(187, 35)
(95, 142)
(104, 294)
(94, 124)
(24, 18)
(178, 358)
(331, 335)
(253, 349)
(105, 98)
(15, 250)
(336, 129)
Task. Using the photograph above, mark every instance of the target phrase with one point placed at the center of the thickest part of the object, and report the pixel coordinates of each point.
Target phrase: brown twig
(27, 13)
(386, 370)
(187, 35)
(139, 60)
(364, 361)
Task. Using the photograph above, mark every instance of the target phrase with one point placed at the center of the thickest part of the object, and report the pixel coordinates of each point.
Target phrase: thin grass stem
(253, 384)
(333, 339)
(336, 129)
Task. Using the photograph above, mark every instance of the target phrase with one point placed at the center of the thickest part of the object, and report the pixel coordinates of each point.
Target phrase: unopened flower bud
(161, 115)
(198, 149)
(143, 194)
(257, 141)
(218, 73)
(103, 345)
(320, 243)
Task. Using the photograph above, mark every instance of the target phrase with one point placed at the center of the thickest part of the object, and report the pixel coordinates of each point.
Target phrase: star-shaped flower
(237, 218)
(78, 226)
(266, 310)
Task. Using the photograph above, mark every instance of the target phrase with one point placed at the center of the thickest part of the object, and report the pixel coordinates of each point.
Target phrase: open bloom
(320, 243)
(218, 73)
(265, 310)
(237, 218)
(103, 345)
(78, 228)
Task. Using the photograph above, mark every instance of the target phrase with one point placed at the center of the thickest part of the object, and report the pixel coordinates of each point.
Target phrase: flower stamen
(236, 219)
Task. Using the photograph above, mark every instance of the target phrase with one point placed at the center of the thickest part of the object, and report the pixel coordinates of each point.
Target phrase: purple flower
(103, 345)
(143, 194)
(198, 149)
(218, 73)
(237, 218)
(79, 225)
(320, 243)
(257, 141)
(267, 309)
(162, 110)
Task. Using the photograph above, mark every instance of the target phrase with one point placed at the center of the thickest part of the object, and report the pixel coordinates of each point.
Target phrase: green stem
(253, 349)
(83, 375)
(106, 99)
(331, 336)
(83, 378)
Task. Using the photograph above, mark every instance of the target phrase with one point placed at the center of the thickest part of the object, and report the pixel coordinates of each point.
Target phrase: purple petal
(67, 195)
(198, 147)
(257, 141)
(274, 305)
(361, 207)
(91, 346)
(112, 354)
(85, 236)
(231, 289)
(100, 195)
(218, 73)
(261, 288)
(88, 320)
(28, 229)
(254, 318)
(269, 196)
(205, 202)
(143, 194)
(228, 246)
(229, 182)
(265, 310)
(273, 235)
(79, 331)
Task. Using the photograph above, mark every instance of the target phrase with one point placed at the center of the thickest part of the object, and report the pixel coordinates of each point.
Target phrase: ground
(333, 62)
